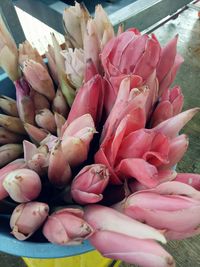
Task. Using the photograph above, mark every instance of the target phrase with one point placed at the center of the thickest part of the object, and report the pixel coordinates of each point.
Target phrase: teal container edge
(31, 249)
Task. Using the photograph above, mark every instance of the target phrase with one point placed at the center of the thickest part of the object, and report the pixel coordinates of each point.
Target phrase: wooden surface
(187, 25)
(186, 253)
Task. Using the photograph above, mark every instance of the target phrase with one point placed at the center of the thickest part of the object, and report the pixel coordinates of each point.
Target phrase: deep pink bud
(27, 218)
(22, 185)
(67, 227)
(89, 184)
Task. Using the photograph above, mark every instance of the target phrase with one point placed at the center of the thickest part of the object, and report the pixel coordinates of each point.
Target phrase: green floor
(186, 253)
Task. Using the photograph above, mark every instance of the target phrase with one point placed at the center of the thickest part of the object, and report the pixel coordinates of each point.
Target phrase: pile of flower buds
(98, 124)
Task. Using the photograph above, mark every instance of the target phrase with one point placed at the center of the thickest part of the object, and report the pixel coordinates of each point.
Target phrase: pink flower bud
(67, 227)
(192, 179)
(16, 164)
(27, 218)
(22, 185)
(52, 63)
(38, 77)
(59, 172)
(76, 138)
(45, 119)
(176, 209)
(36, 134)
(89, 184)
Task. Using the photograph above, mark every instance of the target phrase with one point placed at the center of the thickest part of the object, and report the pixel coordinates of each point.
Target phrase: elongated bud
(59, 104)
(26, 51)
(36, 134)
(25, 104)
(89, 184)
(22, 185)
(52, 63)
(16, 164)
(172, 126)
(45, 119)
(8, 53)
(9, 106)
(59, 172)
(92, 43)
(67, 90)
(67, 227)
(92, 90)
(60, 121)
(10, 152)
(74, 66)
(117, 246)
(38, 77)
(12, 124)
(40, 101)
(27, 218)
(7, 137)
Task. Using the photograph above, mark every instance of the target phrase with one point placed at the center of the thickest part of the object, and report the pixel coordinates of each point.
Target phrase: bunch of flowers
(99, 124)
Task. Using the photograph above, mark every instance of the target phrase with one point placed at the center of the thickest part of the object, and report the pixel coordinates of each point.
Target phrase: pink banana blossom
(89, 184)
(67, 227)
(22, 185)
(27, 218)
(76, 138)
(126, 239)
(170, 104)
(14, 165)
(172, 206)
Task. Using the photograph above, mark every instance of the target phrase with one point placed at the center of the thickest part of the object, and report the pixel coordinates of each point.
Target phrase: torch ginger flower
(90, 182)
(67, 227)
(27, 218)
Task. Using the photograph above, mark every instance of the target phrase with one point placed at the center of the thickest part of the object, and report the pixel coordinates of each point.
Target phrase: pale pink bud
(22, 185)
(60, 121)
(92, 43)
(101, 218)
(39, 79)
(8, 53)
(59, 104)
(26, 51)
(67, 227)
(74, 66)
(45, 119)
(36, 134)
(162, 208)
(142, 252)
(16, 164)
(59, 172)
(89, 184)
(75, 18)
(52, 63)
(27, 218)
